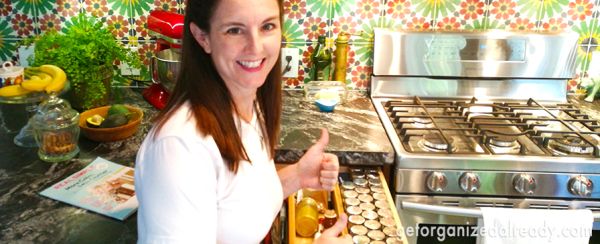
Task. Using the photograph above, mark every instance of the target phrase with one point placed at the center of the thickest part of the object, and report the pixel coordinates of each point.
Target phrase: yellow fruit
(37, 83)
(59, 78)
(13, 91)
(45, 76)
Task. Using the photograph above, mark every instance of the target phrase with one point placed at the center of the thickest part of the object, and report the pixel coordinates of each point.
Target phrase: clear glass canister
(56, 129)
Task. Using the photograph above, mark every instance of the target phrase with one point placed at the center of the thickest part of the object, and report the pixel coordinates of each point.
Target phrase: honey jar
(330, 217)
(307, 217)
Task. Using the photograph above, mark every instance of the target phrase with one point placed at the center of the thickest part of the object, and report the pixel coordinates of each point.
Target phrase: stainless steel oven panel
(474, 54)
(500, 89)
(484, 161)
(447, 210)
(497, 183)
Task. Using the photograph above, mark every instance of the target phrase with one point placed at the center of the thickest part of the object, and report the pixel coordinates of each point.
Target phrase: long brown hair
(211, 102)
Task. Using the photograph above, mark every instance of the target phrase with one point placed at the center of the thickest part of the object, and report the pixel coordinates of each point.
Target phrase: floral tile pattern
(305, 20)
(146, 50)
(5, 8)
(469, 15)
(118, 26)
(21, 23)
(140, 27)
(49, 22)
(8, 48)
(292, 32)
(442, 13)
(360, 66)
(358, 17)
(589, 36)
(166, 5)
(403, 14)
(514, 15)
(67, 8)
(579, 16)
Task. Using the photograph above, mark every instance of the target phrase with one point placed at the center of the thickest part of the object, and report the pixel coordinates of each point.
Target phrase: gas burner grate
(451, 126)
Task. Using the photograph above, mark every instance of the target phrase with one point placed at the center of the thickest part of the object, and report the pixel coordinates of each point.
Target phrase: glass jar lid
(54, 113)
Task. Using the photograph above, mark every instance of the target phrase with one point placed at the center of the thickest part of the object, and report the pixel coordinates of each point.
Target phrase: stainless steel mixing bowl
(165, 68)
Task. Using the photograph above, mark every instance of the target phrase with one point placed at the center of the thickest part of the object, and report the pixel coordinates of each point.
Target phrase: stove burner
(570, 144)
(421, 122)
(434, 142)
(504, 141)
(504, 144)
(475, 117)
(538, 121)
(478, 112)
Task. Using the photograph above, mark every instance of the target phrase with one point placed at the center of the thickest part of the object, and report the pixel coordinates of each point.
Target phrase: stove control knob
(469, 182)
(581, 186)
(524, 184)
(436, 181)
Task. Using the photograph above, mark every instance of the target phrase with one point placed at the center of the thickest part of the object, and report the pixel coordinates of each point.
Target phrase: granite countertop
(591, 109)
(27, 217)
(356, 136)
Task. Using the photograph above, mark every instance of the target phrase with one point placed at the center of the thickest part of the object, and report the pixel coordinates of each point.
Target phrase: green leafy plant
(88, 53)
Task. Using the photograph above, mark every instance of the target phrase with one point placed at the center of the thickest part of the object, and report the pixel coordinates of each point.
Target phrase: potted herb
(88, 53)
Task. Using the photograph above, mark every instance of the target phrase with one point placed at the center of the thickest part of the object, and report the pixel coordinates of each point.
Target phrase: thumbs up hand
(317, 169)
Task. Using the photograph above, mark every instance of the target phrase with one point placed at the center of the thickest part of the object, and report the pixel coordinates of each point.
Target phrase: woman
(205, 173)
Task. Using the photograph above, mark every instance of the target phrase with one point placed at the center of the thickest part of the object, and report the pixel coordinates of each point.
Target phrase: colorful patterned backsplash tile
(305, 20)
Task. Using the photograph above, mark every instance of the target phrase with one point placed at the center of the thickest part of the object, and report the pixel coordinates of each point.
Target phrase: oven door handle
(455, 211)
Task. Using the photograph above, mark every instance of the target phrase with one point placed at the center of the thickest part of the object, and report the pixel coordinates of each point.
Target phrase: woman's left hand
(317, 169)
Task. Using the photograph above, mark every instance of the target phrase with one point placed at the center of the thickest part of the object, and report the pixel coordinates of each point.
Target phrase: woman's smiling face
(244, 41)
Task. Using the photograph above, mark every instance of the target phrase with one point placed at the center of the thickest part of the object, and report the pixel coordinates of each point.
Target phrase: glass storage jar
(56, 128)
(307, 217)
(330, 217)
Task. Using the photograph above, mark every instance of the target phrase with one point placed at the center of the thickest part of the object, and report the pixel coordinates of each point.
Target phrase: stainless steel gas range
(481, 119)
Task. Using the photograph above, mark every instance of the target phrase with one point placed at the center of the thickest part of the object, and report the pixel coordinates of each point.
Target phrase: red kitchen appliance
(167, 27)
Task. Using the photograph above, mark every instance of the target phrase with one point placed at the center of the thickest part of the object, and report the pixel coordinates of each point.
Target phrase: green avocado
(118, 109)
(94, 121)
(114, 120)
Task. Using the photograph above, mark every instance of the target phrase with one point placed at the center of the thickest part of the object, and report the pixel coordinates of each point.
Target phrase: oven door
(445, 219)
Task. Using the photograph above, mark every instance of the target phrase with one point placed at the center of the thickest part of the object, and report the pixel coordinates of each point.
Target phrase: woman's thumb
(337, 228)
(324, 140)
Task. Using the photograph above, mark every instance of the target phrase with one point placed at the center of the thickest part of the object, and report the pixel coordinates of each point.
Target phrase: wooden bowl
(110, 134)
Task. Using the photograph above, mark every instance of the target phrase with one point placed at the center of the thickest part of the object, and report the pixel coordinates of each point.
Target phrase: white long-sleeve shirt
(188, 195)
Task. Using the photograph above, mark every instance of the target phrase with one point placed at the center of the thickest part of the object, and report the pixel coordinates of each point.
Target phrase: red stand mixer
(167, 27)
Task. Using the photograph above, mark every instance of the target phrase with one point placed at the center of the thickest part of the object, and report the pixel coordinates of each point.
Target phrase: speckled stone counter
(592, 109)
(356, 136)
(27, 217)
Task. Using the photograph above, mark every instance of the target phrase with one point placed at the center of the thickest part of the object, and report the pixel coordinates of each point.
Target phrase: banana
(59, 78)
(13, 91)
(45, 76)
(37, 82)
